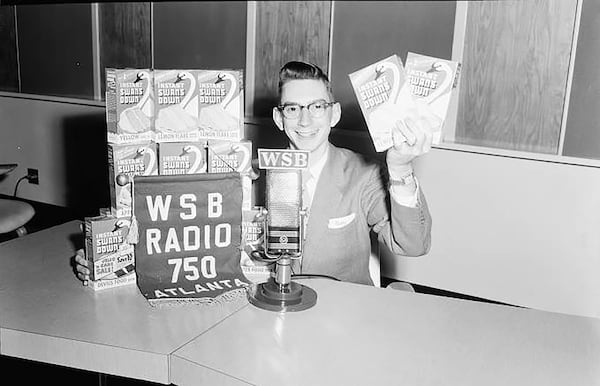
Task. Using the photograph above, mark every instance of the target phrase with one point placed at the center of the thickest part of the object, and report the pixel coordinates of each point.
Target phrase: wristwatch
(406, 179)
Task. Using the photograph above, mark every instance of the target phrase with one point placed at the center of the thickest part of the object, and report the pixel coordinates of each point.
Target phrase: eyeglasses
(315, 109)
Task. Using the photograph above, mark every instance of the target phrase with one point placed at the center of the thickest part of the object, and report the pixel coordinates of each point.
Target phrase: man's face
(306, 132)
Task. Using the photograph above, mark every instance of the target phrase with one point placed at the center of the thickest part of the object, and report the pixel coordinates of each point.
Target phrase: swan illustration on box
(135, 119)
(221, 116)
(176, 113)
(129, 161)
(199, 164)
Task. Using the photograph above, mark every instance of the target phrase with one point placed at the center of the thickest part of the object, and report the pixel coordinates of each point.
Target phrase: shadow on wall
(86, 169)
(263, 106)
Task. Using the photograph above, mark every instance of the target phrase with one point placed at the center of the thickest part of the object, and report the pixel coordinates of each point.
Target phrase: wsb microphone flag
(189, 236)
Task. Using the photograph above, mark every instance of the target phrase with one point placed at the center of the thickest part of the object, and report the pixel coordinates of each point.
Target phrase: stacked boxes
(160, 122)
(110, 258)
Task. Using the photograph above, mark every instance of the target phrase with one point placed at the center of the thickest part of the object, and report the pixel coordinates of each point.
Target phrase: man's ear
(277, 118)
(336, 114)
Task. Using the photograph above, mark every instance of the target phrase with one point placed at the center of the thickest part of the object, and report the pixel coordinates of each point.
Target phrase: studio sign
(189, 235)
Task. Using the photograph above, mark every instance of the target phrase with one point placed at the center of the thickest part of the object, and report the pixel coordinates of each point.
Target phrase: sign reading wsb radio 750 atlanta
(189, 235)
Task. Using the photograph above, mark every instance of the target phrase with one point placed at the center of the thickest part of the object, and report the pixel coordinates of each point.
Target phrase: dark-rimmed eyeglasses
(315, 109)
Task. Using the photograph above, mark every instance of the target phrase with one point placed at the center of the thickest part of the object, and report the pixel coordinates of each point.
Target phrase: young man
(346, 196)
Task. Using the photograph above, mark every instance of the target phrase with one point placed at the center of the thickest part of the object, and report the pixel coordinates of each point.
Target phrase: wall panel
(295, 30)
(55, 49)
(582, 134)
(9, 73)
(515, 64)
(367, 31)
(200, 34)
(124, 34)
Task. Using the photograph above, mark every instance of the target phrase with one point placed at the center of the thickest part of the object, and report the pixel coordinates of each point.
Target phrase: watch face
(408, 179)
(404, 180)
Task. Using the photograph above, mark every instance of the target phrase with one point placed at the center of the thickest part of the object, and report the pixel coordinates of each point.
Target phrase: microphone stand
(280, 293)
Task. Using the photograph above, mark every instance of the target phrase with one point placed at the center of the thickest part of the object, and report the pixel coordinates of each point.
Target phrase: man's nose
(305, 117)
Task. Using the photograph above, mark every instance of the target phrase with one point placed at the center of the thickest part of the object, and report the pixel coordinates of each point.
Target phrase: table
(47, 315)
(359, 335)
(355, 335)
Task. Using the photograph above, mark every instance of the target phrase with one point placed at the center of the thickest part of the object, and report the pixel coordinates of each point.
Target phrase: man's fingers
(420, 128)
(406, 132)
(82, 270)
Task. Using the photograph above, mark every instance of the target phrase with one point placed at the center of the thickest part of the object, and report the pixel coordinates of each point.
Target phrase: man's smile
(307, 133)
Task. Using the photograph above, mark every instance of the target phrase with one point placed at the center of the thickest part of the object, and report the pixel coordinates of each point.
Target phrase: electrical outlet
(33, 176)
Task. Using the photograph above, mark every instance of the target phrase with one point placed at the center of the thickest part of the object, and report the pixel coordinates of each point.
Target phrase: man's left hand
(412, 137)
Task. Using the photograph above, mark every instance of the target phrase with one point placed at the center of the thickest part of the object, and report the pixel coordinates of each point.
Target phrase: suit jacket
(351, 199)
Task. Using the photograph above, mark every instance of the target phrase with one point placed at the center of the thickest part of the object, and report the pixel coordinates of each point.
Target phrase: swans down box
(221, 104)
(124, 162)
(110, 257)
(432, 81)
(227, 156)
(181, 158)
(176, 106)
(253, 233)
(384, 97)
(197, 105)
(129, 105)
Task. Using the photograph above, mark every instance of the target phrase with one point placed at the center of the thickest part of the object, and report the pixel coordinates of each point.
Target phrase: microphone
(283, 232)
(283, 201)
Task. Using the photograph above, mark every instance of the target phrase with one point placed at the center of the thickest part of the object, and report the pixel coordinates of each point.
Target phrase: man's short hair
(301, 70)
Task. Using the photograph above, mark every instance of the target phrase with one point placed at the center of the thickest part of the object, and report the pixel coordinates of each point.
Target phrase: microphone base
(272, 296)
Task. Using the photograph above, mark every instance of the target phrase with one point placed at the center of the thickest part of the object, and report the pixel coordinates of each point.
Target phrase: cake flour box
(432, 82)
(181, 158)
(384, 97)
(129, 105)
(226, 156)
(253, 230)
(221, 104)
(110, 257)
(176, 105)
(124, 162)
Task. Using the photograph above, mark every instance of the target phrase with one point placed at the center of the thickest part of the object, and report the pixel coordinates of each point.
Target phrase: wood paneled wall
(294, 30)
(200, 34)
(124, 34)
(582, 134)
(9, 75)
(514, 76)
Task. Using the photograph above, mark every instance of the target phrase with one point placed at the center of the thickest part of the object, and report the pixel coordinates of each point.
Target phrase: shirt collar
(317, 167)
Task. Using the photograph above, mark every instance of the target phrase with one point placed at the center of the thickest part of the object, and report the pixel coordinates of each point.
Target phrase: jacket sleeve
(405, 230)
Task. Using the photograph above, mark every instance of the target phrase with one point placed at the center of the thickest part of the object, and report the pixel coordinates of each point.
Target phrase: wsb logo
(282, 159)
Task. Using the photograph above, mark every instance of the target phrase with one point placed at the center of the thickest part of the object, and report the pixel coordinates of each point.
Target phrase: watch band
(406, 179)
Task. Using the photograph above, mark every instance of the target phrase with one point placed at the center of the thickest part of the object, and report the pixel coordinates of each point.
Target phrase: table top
(359, 335)
(354, 335)
(46, 314)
